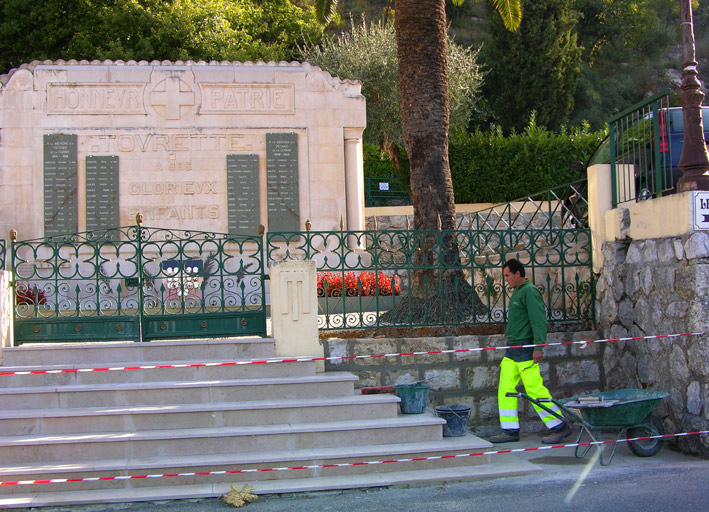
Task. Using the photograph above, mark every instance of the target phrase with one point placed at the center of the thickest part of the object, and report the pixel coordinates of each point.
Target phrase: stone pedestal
(294, 309)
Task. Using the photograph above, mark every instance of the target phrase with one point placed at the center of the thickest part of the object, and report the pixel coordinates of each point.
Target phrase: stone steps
(205, 415)
(186, 465)
(47, 354)
(153, 443)
(198, 419)
(170, 392)
(499, 467)
(212, 370)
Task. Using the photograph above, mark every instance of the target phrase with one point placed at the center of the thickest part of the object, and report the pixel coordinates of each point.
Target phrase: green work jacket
(526, 321)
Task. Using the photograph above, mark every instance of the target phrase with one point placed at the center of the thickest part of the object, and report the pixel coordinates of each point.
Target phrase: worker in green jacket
(526, 325)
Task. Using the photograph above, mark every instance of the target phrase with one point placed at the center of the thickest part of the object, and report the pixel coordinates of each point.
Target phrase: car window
(677, 120)
(602, 154)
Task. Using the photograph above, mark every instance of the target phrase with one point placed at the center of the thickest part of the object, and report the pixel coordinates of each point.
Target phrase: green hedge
(489, 168)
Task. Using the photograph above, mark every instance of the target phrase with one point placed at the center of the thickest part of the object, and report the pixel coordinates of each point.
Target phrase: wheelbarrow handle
(566, 415)
(521, 395)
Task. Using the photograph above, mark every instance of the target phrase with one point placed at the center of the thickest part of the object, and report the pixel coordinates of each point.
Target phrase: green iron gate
(137, 283)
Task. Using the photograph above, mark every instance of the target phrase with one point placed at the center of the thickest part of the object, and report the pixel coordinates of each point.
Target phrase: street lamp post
(694, 161)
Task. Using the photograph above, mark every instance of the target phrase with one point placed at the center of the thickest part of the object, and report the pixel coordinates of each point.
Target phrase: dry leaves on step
(237, 498)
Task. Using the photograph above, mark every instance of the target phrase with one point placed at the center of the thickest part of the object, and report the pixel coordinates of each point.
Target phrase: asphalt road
(669, 481)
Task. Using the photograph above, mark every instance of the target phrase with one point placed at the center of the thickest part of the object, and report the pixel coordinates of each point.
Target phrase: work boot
(505, 437)
(557, 435)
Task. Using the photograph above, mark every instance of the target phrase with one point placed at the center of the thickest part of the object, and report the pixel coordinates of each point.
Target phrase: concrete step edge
(451, 445)
(192, 433)
(508, 466)
(112, 352)
(12, 414)
(196, 363)
(107, 345)
(267, 381)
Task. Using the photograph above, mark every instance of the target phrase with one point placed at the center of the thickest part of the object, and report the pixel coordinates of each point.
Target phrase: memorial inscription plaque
(102, 192)
(242, 177)
(282, 181)
(60, 187)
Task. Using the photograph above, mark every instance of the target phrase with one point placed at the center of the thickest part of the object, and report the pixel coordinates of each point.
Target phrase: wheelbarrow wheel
(646, 447)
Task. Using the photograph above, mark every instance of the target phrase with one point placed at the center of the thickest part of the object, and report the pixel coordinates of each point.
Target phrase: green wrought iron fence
(2, 254)
(386, 192)
(138, 283)
(408, 278)
(640, 147)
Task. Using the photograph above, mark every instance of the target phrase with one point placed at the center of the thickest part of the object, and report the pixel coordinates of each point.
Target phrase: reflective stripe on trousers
(510, 374)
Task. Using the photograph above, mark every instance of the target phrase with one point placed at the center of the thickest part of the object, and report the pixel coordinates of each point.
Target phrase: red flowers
(364, 283)
(26, 295)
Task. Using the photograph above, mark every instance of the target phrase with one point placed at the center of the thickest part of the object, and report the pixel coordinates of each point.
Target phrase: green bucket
(414, 397)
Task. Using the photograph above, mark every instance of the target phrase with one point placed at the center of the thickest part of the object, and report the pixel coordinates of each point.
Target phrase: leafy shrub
(488, 167)
(364, 283)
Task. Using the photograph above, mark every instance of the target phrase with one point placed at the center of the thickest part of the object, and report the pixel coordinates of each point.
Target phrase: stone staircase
(205, 419)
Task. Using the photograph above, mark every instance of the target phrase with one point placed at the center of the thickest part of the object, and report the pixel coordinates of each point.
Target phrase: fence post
(614, 181)
(139, 253)
(659, 185)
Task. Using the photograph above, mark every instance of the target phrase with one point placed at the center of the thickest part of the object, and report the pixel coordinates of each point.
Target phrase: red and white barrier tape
(343, 464)
(341, 358)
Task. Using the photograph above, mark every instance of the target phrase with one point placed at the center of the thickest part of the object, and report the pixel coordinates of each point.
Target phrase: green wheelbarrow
(626, 411)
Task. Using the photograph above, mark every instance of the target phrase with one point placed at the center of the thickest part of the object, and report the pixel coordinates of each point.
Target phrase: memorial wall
(220, 147)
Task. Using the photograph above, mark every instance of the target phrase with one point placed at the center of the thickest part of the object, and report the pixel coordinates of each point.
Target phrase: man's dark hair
(515, 266)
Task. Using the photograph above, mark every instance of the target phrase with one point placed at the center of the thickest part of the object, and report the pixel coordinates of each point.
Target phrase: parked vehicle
(634, 144)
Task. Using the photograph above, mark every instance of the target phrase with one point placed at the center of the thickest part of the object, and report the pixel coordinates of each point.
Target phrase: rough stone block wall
(654, 287)
(469, 378)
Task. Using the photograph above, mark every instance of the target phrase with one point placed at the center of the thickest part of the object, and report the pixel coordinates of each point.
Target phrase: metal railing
(137, 282)
(562, 207)
(408, 278)
(640, 151)
(2, 254)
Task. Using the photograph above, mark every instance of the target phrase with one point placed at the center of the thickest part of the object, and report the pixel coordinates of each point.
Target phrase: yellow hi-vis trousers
(510, 374)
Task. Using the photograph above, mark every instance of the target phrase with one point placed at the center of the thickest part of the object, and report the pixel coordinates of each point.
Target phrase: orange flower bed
(363, 283)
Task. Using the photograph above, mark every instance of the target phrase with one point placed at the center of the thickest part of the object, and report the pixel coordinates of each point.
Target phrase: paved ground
(667, 481)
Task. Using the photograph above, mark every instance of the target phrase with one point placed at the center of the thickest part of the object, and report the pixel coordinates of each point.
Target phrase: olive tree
(367, 52)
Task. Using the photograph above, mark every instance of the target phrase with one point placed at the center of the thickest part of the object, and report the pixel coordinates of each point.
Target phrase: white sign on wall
(701, 210)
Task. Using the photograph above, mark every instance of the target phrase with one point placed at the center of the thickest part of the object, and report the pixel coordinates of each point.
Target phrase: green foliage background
(488, 167)
(535, 68)
(152, 30)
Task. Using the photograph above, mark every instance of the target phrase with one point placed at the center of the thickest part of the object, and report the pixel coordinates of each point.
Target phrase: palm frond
(325, 10)
(510, 11)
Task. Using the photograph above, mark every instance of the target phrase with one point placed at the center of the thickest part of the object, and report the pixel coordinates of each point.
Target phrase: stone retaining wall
(651, 287)
(469, 378)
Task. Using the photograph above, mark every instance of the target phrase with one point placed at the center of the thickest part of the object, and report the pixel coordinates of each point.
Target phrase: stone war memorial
(219, 147)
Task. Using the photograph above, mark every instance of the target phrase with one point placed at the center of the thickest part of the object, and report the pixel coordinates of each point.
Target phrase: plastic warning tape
(305, 359)
(343, 464)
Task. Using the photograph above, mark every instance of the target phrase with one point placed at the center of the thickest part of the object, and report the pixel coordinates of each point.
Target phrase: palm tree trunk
(425, 111)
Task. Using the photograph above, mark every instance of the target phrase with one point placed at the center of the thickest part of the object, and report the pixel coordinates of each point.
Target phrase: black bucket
(456, 417)
(414, 397)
